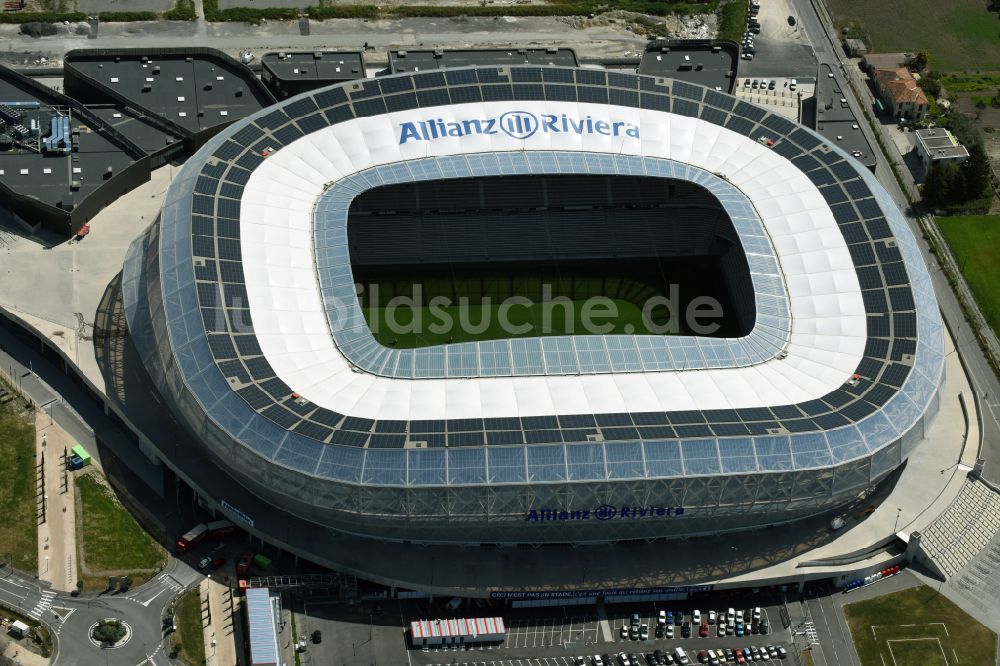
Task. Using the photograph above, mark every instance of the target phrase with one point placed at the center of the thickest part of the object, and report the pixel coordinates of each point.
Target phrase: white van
(681, 656)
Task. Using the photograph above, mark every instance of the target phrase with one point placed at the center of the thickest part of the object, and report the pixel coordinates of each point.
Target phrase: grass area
(18, 529)
(110, 541)
(424, 327)
(961, 35)
(188, 642)
(733, 20)
(979, 82)
(975, 242)
(807, 659)
(918, 627)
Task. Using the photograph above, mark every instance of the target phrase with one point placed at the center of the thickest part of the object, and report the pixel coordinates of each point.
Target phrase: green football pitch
(409, 327)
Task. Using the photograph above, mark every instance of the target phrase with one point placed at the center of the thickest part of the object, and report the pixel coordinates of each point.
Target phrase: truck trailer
(202, 532)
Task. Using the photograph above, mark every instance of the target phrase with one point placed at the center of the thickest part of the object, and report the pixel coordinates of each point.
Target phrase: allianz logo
(517, 125)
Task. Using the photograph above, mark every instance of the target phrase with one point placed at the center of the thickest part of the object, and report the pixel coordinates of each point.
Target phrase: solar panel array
(888, 299)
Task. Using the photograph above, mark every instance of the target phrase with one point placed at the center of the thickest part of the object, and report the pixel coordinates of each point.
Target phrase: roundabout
(109, 633)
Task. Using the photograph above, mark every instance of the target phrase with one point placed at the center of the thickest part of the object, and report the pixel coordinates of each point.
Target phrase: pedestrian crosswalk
(44, 603)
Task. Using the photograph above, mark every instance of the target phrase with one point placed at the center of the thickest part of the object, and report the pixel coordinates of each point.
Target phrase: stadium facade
(241, 302)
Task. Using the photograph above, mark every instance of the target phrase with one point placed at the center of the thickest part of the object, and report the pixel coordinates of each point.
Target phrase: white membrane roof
(828, 320)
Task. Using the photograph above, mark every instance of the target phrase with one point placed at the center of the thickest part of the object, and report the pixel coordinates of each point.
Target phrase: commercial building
(939, 146)
(263, 615)
(457, 631)
(241, 303)
(835, 120)
(287, 74)
(704, 62)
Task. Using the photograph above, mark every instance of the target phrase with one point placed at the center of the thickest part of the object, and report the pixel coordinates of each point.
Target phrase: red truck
(243, 565)
(203, 531)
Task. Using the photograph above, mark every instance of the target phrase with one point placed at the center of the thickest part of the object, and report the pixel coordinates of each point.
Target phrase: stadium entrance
(476, 259)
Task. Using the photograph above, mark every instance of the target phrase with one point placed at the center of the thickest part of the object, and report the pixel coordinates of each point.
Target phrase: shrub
(42, 17)
(343, 11)
(183, 11)
(126, 17)
(108, 631)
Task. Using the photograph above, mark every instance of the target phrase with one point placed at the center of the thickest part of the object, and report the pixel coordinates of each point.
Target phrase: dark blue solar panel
(557, 75)
(862, 254)
(623, 97)
(654, 102)
(754, 113)
(693, 431)
(878, 228)
(591, 77)
(386, 441)
(525, 74)
(620, 80)
(740, 125)
(888, 253)
(854, 232)
(539, 422)
(560, 93)
(259, 368)
(235, 369)
(247, 345)
(365, 89)
(274, 119)
(857, 189)
(779, 124)
(231, 191)
(686, 416)
(492, 75)
(205, 185)
(785, 412)
(857, 410)
(528, 91)
(497, 93)
(804, 139)
(276, 388)
(390, 426)
(203, 246)
(403, 102)
(460, 77)
(878, 326)
(339, 114)
(327, 417)
(540, 436)
(895, 273)
(729, 429)
(724, 102)
(369, 107)
(901, 346)
(254, 397)
(685, 108)
(428, 80)
(620, 433)
(904, 324)
(713, 116)
(500, 437)
(300, 107)
(821, 177)
(349, 438)
(248, 135)
(688, 91)
(466, 439)
(833, 194)
(221, 346)
(313, 430)
(436, 97)
(357, 423)
(806, 163)
(843, 213)
(330, 97)
(593, 95)
(228, 151)
(395, 84)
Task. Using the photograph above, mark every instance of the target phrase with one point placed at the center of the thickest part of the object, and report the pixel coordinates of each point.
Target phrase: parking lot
(574, 630)
(546, 636)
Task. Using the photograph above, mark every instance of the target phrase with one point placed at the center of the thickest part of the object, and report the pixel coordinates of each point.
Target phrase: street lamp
(898, 511)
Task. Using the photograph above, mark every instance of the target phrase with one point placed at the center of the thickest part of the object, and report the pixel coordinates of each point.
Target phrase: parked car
(721, 632)
(756, 84)
(669, 630)
(660, 631)
(765, 627)
(739, 629)
(644, 632)
(635, 620)
(703, 656)
(662, 617)
(712, 617)
(782, 652)
(686, 630)
(746, 84)
(633, 633)
(772, 651)
(624, 631)
(703, 630)
(597, 660)
(204, 562)
(696, 616)
(217, 563)
(679, 618)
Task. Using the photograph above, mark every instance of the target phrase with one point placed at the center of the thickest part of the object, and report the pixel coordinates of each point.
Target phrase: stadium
(243, 301)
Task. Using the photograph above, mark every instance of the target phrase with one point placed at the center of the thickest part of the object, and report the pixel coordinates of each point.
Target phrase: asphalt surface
(70, 618)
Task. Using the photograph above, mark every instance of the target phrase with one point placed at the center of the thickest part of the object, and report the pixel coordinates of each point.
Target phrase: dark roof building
(418, 61)
(60, 163)
(194, 91)
(705, 62)
(286, 74)
(836, 121)
(151, 135)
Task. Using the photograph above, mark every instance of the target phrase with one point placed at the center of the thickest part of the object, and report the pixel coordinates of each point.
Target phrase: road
(820, 33)
(70, 618)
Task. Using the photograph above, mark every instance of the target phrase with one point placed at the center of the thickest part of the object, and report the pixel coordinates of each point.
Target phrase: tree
(108, 631)
(923, 59)
(931, 85)
(958, 190)
(977, 171)
(935, 186)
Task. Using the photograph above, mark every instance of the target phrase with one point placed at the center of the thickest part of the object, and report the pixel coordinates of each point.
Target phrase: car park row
(678, 656)
(753, 28)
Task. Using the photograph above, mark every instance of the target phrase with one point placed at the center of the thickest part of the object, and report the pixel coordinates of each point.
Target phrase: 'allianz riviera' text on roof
(845, 356)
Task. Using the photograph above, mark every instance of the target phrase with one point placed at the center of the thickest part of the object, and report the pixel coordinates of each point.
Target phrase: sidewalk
(22, 657)
(57, 534)
(220, 612)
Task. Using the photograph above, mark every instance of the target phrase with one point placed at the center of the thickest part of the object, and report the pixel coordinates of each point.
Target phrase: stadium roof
(860, 367)
(709, 63)
(421, 61)
(836, 121)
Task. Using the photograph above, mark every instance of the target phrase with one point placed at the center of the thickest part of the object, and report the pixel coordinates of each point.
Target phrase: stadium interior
(555, 241)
